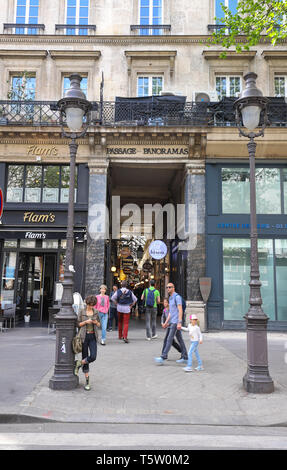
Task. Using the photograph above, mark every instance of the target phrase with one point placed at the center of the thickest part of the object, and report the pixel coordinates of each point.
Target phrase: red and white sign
(1, 202)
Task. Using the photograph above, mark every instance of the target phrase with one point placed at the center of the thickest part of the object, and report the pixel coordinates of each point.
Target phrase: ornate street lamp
(74, 106)
(249, 108)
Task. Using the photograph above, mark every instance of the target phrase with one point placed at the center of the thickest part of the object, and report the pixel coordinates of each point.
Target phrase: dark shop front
(33, 240)
(228, 242)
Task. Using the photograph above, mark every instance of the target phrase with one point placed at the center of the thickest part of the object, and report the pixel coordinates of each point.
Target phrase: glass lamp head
(251, 103)
(74, 105)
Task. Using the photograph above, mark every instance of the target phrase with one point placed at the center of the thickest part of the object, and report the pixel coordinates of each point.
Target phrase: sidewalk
(128, 387)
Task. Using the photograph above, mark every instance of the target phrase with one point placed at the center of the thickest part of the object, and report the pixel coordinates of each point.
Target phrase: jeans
(193, 349)
(172, 332)
(104, 321)
(150, 321)
(90, 343)
(174, 343)
(113, 315)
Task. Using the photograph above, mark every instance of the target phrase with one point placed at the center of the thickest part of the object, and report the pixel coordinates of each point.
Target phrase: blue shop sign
(247, 226)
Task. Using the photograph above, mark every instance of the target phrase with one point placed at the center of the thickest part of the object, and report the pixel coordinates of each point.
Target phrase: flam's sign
(1, 203)
(32, 217)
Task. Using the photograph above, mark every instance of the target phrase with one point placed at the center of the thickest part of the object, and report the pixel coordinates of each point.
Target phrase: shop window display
(272, 255)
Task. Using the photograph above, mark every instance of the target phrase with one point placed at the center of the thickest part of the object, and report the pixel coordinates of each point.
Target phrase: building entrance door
(36, 276)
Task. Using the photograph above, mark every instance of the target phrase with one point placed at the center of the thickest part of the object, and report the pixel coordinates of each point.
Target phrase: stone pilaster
(195, 267)
(97, 232)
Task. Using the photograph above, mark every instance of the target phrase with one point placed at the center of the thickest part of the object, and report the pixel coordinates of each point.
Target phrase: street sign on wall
(1, 203)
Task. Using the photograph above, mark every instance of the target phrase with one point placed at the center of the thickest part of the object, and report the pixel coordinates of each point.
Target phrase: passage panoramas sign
(174, 150)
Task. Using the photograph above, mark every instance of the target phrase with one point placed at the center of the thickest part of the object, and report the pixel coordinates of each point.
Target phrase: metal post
(64, 378)
(257, 378)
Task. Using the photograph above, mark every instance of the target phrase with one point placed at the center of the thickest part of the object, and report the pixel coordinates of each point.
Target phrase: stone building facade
(118, 57)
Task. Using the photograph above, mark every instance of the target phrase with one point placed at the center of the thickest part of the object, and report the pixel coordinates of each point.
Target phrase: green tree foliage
(253, 21)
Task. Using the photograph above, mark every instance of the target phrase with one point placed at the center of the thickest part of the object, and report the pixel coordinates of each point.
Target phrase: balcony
(127, 112)
(76, 29)
(11, 28)
(149, 29)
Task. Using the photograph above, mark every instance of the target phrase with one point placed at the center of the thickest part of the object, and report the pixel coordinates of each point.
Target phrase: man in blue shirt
(174, 322)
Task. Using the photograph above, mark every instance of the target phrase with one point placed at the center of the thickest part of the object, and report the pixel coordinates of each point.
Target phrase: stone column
(97, 230)
(195, 265)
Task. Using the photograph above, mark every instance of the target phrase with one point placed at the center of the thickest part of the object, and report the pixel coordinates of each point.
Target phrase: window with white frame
(149, 85)
(66, 84)
(228, 86)
(219, 13)
(280, 86)
(150, 13)
(77, 13)
(27, 12)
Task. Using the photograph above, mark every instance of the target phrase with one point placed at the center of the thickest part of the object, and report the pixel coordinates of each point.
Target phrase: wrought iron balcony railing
(23, 28)
(73, 28)
(150, 29)
(215, 27)
(131, 112)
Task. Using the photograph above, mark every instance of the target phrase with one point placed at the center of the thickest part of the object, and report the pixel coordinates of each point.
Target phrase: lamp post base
(261, 383)
(64, 382)
(64, 378)
(257, 378)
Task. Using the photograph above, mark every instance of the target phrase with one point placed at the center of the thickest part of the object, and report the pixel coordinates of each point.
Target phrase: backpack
(124, 298)
(150, 298)
(183, 304)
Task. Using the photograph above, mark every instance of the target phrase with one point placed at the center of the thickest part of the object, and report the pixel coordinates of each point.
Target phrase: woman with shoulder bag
(88, 320)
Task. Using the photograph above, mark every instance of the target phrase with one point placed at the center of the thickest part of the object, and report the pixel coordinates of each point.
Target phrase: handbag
(77, 343)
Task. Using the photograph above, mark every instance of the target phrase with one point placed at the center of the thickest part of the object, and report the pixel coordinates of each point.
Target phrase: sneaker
(109, 329)
(103, 342)
(181, 361)
(78, 365)
(87, 386)
(153, 337)
(159, 360)
(188, 369)
(199, 368)
(126, 340)
(148, 339)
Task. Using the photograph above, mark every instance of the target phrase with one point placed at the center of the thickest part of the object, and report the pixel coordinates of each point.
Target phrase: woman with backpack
(124, 299)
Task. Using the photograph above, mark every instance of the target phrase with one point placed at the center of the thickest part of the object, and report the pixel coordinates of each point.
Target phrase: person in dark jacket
(125, 299)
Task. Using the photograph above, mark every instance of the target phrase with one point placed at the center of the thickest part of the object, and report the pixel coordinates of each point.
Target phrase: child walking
(196, 339)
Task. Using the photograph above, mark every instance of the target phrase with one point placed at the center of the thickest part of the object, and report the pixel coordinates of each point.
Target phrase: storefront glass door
(30, 276)
(35, 284)
(281, 278)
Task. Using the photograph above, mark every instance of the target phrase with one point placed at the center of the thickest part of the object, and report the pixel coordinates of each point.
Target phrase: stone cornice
(79, 55)
(115, 39)
(230, 55)
(150, 54)
(272, 54)
(26, 54)
(195, 168)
